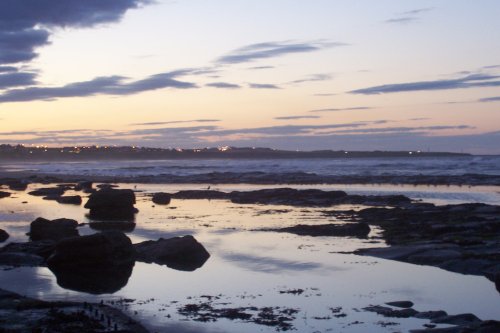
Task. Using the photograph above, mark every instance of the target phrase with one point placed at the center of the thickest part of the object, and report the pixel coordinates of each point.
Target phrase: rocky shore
(23, 314)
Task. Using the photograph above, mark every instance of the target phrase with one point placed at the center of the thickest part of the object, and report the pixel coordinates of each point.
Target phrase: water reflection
(105, 280)
(118, 226)
(269, 264)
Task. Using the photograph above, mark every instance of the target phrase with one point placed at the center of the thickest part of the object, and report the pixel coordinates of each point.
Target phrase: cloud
(19, 46)
(408, 16)
(296, 117)
(469, 81)
(25, 25)
(402, 20)
(109, 85)
(263, 86)
(260, 67)
(223, 85)
(343, 109)
(313, 78)
(273, 49)
(5, 69)
(325, 94)
(15, 79)
(420, 129)
(490, 99)
(176, 122)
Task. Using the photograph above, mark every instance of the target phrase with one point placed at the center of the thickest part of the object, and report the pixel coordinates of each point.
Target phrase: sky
(285, 74)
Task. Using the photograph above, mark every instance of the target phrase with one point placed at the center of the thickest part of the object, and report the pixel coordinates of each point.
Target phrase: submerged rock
(360, 230)
(180, 253)
(42, 229)
(70, 199)
(3, 235)
(110, 204)
(17, 185)
(288, 196)
(161, 198)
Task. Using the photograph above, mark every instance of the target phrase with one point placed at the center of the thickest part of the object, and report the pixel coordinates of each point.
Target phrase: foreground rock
(462, 238)
(4, 194)
(161, 198)
(359, 230)
(180, 253)
(110, 204)
(99, 263)
(3, 235)
(22, 314)
(43, 229)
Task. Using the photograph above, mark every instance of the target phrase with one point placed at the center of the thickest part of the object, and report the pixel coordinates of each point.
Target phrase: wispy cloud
(469, 81)
(261, 67)
(408, 16)
(490, 99)
(263, 86)
(296, 117)
(223, 85)
(176, 122)
(313, 78)
(110, 85)
(343, 109)
(268, 50)
(325, 94)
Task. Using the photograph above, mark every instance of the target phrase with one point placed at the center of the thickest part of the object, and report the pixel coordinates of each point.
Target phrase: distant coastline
(89, 153)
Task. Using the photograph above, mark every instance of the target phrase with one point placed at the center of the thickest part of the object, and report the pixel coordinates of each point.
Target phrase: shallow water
(250, 268)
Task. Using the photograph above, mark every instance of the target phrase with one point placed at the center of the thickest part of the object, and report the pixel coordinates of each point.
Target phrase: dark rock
(96, 251)
(200, 194)
(106, 186)
(109, 204)
(288, 196)
(180, 253)
(401, 304)
(3, 235)
(460, 320)
(26, 254)
(83, 185)
(489, 326)
(99, 263)
(161, 198)
(58, 229)
(122, 226)
(431, 314)
(17, 185)
(70, 199)
(434, 257)
(4, 194)
(388, 312)
(20, 259)
(360, 230)
(455, 329)
(48, 191)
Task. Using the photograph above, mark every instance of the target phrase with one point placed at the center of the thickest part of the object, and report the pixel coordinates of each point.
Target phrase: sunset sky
(287, 74)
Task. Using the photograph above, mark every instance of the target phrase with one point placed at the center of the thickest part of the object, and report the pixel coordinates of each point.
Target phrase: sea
(314, 281)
